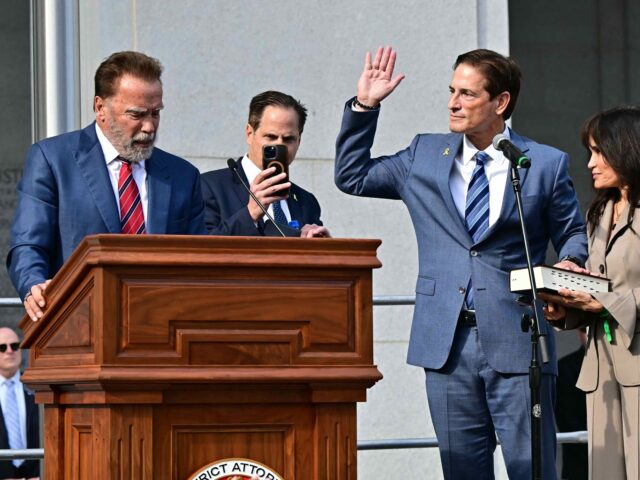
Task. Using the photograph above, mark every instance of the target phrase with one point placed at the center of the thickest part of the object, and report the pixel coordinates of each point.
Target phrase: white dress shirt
(22, 408)
(138, 170)
(251, 171)
(496, 170)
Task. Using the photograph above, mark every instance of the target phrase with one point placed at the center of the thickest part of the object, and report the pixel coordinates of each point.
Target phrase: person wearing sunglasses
(19, 423)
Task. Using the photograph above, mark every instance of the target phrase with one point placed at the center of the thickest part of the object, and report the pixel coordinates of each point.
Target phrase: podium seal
(235, 469)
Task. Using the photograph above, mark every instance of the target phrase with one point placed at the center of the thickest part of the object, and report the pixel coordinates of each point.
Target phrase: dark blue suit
(65, 194)
(226, 210)
(29, 468)
(448, 259)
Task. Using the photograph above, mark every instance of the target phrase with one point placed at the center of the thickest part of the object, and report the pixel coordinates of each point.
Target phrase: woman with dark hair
(610, 371)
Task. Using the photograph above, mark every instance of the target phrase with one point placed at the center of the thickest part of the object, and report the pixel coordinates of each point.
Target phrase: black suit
(29, 468)
(226, 210)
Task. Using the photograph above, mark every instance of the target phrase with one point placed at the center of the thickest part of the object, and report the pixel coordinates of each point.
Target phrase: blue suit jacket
(65, 194)
(226, 210)
(448, 258)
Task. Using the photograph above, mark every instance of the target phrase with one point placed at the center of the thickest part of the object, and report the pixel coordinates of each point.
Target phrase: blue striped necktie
(476, 212)
(278, 214)
(12, 419)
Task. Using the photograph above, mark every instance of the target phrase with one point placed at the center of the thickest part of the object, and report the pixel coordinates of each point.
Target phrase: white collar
(15, 378)
(251, 170)
(469, 151)
(109, 151)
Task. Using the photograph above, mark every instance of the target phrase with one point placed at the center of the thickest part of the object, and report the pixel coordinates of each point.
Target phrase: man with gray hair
(106, 178)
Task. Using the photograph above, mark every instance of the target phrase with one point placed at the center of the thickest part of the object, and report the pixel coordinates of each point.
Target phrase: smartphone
(276, 156)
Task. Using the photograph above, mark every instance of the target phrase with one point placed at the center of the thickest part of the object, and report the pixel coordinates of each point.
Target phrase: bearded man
(106, 178)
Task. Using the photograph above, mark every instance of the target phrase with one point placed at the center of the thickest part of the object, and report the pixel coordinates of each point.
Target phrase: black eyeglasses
(14, 346)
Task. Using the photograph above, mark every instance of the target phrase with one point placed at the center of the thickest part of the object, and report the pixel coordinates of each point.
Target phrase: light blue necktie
(12, 419)
(476, 212)
(278, 214)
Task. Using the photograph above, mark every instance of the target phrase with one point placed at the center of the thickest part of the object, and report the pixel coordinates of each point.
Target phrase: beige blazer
(618, 259)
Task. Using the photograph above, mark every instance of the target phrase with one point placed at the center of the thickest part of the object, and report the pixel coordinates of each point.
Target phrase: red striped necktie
(131, 216)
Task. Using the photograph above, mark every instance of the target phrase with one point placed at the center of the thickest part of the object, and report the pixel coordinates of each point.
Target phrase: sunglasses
(14, 346)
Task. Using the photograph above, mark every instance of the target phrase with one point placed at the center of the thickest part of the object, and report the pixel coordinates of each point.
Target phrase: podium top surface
(203, 248)
(157, 259)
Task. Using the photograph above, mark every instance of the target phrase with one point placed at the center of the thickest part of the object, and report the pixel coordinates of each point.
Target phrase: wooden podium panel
(158, 355)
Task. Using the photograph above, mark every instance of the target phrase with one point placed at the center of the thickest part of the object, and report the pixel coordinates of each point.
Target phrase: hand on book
(572, 267)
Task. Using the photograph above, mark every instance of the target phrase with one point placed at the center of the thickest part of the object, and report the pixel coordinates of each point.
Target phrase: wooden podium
(158, 355)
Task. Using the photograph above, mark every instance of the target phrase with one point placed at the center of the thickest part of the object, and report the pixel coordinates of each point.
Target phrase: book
(551, 279)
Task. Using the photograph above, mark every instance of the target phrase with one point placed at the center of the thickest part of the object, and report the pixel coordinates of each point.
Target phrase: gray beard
(126, 146)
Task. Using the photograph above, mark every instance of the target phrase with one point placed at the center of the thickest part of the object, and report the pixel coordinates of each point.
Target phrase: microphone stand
(539, 333)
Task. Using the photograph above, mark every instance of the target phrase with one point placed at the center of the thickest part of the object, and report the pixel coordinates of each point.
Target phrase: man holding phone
(276, 122)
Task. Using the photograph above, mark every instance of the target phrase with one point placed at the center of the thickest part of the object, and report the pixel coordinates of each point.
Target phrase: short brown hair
(119, 64)
(276, 99)
(502, 74)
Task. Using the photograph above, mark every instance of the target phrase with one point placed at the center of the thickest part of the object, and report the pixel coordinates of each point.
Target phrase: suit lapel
(599, 238)
(29, 402)
(521, 143)
(509, 197)
(93, 168)
(296, 208)
(31, 412)
(447, 155)
(621, 226)
(4, 436)
(239, 190)
(159, 182)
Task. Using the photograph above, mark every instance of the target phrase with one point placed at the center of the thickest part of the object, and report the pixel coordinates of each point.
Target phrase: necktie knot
(482, 158)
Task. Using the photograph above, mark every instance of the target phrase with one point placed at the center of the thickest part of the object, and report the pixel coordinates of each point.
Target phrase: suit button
(462, 290)
(473, 253)
(601, 268)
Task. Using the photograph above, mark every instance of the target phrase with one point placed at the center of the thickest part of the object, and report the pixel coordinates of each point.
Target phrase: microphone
(231, 163)
(513, 153)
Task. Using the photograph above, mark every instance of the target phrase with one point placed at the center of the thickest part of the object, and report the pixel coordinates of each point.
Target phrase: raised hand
(377, 81)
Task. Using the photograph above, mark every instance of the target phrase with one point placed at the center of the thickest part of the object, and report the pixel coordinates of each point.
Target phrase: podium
(159, 355)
